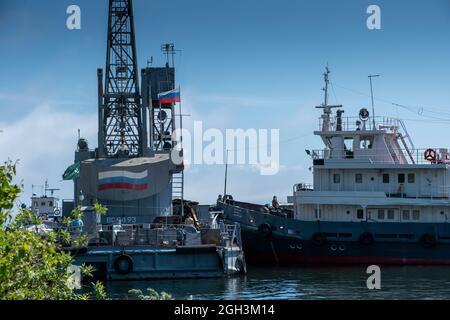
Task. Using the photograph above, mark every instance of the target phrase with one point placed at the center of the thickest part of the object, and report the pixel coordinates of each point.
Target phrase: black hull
(272, 239)
(279, 250)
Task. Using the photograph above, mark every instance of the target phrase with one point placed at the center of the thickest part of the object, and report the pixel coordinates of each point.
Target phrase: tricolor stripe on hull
(122, 180)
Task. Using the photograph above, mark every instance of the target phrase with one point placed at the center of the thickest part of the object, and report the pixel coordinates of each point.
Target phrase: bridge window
(336, 178)
(401, 178)
(416, 214)
(358, 178)
(385, 177)
(348, 147)
(366, 143)
(380, 214)
(411, 177)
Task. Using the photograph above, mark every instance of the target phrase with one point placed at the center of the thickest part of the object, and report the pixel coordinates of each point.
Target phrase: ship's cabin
(370, 170)
(45, 206)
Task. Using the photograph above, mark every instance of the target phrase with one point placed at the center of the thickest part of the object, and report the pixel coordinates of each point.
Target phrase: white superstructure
(370, 171)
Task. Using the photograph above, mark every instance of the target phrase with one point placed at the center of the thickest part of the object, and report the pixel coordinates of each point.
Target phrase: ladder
(178, 185)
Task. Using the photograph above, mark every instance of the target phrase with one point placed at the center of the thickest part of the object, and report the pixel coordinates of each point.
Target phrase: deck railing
(167, 234)
(355, 123)
(398, 156)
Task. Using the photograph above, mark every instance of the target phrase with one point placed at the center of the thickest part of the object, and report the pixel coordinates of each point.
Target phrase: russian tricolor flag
(123, 180)
(171, 96)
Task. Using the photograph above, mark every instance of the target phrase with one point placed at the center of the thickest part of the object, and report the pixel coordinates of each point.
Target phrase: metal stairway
(178, 185)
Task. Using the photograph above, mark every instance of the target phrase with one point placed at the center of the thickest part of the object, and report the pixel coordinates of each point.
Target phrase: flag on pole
(171, 96)
(72, 172)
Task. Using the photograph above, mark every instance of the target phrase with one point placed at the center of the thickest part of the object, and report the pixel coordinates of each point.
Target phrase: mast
(325, 106)
(122, 130)
(325, 89)
(371, 94)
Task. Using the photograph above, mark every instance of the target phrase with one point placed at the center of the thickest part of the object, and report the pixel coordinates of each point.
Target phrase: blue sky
(243, 64)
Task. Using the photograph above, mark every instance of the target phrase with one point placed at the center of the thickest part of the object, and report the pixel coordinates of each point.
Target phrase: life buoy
(366, 238)
(318, 238)
(427, 241)
(123, 264)
(265, 229)
(430, 155)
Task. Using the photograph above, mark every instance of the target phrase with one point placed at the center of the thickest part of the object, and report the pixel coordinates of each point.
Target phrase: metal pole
(371, 94)
(226, 174)
(181, 148)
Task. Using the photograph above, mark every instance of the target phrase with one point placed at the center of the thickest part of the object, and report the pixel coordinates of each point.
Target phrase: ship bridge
(382, 141)
(370, 164)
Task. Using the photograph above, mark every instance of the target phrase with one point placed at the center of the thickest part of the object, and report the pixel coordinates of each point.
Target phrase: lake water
(418, 282)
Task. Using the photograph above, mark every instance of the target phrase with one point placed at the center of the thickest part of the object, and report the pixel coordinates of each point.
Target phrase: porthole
(333, 247)
(292, 246)
(341, 247)
(299, 247)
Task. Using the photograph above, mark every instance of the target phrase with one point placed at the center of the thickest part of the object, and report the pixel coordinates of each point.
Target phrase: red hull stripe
(122, 185)
(348, 260)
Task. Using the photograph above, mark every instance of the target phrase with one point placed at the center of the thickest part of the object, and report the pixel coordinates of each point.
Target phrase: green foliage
(8, 191)
(32, 267)
(99, 209)
(99, 291)
(136, 294)
(77, 213)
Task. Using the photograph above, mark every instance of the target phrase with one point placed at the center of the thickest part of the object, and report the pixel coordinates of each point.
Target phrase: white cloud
(44, 142)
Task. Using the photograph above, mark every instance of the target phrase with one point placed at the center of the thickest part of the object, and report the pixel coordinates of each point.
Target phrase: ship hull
(286, 250)
(291, 241)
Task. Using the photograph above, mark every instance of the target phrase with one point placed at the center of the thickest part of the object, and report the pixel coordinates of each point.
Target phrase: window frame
(356, 178)
(418, 215)
(393, 214)
(338, 176)
(318, 213)
(358, 211)
(406, 214)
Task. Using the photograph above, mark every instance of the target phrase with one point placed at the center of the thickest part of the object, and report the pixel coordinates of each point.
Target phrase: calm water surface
(304, 283)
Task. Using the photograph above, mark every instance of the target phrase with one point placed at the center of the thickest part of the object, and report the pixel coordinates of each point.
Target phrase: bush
(31, 267)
